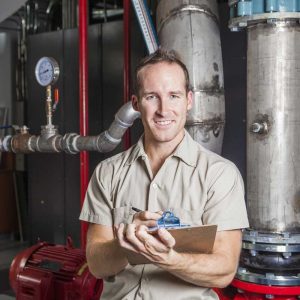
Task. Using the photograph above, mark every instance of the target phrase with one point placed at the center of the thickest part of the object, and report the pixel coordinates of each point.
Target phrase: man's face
(163, 102)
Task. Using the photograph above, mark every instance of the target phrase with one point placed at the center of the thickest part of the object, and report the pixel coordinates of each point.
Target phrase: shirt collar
(137, 151)
(186, 151)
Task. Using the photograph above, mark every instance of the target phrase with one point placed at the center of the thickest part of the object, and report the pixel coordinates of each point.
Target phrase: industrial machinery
(270, 259)
(49, 272)
(50, 141)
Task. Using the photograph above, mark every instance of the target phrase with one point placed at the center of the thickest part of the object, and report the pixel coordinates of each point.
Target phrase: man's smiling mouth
(163, 123)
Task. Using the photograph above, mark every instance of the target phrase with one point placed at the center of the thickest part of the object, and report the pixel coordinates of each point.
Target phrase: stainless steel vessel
(191, 27)
(273, 118)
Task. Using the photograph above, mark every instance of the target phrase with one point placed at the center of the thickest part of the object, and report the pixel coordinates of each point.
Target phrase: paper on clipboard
(194, 239)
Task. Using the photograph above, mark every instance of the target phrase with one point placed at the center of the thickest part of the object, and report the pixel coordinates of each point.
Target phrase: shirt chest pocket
(123, 214)
(191, 217)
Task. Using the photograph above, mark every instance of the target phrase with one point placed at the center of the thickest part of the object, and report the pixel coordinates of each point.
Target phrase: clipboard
(193, 239)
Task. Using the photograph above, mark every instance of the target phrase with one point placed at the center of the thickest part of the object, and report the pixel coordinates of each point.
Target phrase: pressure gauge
(46, 71)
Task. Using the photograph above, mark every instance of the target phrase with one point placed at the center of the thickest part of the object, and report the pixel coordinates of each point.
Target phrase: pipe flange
(267, 278)
(245, 13)
(285, 238)
(279, 248)
(69, 143)
(187, 8)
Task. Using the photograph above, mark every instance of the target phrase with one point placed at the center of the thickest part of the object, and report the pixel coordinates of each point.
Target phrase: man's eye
(174, 96)
(151, 97)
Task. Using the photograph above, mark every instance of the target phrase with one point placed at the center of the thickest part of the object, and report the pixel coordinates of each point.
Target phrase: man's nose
(163, 107)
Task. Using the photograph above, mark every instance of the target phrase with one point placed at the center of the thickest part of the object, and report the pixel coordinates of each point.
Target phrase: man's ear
(190, 98)
(135, 102)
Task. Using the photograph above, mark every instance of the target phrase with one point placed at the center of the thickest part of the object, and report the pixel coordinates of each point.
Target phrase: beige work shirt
(199, 186)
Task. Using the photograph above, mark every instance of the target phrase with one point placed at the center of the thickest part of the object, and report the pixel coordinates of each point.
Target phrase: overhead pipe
(83, 105)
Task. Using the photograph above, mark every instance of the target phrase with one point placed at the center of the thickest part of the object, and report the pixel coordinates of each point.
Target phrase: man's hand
(146, 218)
(158, 247)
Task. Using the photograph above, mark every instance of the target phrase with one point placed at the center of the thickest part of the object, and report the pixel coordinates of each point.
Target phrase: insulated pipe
(107, 140)
(126, 35)
(50, 141)
(83, 106)
(191, 27)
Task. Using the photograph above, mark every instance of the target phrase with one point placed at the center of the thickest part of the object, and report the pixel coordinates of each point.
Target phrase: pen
(136, 209)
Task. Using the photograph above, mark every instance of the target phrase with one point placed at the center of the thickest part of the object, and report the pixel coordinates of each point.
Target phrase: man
(165, 170)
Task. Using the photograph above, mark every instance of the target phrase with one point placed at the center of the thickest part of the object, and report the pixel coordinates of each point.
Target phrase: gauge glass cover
(46, 71)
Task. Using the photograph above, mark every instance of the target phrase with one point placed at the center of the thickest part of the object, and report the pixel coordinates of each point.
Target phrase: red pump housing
(53, 272)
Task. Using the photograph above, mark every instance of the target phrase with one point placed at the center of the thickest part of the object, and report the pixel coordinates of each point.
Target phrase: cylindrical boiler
(271, 247)
(273, 119)
(191, 28)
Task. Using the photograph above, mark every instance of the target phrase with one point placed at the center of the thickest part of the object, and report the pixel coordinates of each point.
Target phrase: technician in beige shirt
(167, 169)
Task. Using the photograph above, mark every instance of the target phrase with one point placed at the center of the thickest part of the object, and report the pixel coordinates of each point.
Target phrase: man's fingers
(130, 236)
(146, 216)
(151, 243)
(166, 237)
(148, 223)
(121, 238)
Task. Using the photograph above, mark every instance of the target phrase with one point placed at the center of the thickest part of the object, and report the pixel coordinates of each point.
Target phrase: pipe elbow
(126, 115)
(124, 118)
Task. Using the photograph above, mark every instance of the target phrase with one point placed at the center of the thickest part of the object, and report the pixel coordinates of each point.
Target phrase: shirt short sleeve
(225, 203)
(97, 205)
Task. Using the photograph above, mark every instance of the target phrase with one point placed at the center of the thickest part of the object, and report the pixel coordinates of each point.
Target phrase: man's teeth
(164, 122)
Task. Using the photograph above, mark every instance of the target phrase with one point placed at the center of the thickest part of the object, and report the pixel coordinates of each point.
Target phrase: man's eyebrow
(145, 93)
(177, 92)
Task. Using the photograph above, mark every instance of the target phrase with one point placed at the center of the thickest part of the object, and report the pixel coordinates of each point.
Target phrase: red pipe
(83, 107)
(126, 72)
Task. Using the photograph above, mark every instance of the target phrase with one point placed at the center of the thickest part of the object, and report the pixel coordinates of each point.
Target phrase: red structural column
(83, 105)
(127, 73)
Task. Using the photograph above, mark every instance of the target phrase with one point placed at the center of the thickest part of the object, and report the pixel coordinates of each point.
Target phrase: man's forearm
(207, 270)
(105, 259)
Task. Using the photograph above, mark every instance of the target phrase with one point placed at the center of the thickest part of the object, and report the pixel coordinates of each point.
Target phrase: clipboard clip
(168, 221)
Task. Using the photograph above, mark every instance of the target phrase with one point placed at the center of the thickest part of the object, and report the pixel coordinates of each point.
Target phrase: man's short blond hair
(159, 56)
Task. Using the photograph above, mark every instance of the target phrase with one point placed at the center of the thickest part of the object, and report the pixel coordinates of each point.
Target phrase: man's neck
(158, 152)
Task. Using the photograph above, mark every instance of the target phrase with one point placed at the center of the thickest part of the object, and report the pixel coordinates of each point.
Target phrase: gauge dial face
(46, 71)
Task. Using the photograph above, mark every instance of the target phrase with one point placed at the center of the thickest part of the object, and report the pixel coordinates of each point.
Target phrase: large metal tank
(270, 254)
(191, 27)
(273, 114)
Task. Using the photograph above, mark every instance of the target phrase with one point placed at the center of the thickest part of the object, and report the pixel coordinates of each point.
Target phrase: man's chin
(165, 137)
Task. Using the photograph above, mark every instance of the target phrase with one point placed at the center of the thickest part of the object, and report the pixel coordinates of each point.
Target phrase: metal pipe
(51, 141)
(126, 34)
(49, 106)
(83, 105)
(192, 29)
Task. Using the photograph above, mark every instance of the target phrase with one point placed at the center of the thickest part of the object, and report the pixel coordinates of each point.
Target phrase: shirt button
(143, 157)
(154, 185)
